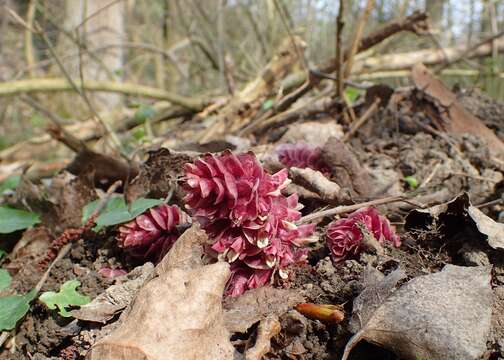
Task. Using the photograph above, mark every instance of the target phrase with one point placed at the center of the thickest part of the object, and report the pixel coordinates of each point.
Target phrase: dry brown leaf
(434, 217)
(177, 315)
(442, 316)
(493, 230)
(116, 298)
(105, 169)
(377, 288)
(461, 120)
(267, 329)
(346, 169)
(257, 304)
(315, 133)
(315, 181)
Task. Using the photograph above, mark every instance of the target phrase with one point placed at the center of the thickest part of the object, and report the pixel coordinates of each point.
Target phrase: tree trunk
(97, 23)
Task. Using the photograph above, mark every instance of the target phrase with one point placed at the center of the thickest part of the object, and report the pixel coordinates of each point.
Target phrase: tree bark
(96, 23)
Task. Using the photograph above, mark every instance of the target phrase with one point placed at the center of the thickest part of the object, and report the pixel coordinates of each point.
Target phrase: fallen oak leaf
(257, 304)
(441, 316)
(177, 315)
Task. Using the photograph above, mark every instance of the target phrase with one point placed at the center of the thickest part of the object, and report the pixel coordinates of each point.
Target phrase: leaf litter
(438, 295)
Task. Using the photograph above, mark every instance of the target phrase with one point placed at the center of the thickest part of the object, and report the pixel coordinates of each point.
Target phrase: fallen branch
(447, 57)
(12, 88)
(365, 117)
(416, 22)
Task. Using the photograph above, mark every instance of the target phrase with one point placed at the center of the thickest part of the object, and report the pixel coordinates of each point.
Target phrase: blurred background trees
(196, 48)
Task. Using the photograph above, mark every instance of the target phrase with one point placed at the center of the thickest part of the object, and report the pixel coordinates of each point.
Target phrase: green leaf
(352, 94)
(2, 253)
(117, 212)
(268, 104)
(139, 134)
(5, 279)
(66, 297)
(13, 308)
(411, 181)
(14, 219)
(140, 205)
(10, 183)
(143, 113)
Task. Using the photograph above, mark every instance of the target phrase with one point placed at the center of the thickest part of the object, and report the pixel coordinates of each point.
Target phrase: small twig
(339, 50)
(357, 38)
(4, 336)
(349, 208)
(283, 16)
(490, 203)
(28, 40)
(430, 176)
(362, 120)
(64, 136)
(469, 51)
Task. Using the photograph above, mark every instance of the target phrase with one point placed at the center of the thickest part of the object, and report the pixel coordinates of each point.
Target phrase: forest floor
(396, 153)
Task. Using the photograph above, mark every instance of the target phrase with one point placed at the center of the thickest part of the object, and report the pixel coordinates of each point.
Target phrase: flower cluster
(249, 221)
(152, 234)
(302, 155)
(344, 237)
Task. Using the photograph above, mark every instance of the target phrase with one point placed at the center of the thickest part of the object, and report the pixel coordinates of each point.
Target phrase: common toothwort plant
(345, 239)
(250, 222)
(152, 234)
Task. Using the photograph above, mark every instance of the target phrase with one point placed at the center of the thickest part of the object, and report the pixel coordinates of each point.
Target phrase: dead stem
(349, 208)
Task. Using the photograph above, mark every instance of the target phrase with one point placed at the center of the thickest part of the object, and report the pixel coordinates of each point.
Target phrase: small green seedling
(65, 298)
(411, 181)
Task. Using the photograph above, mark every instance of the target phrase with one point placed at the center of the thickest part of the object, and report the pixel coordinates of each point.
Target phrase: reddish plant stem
(72, 235)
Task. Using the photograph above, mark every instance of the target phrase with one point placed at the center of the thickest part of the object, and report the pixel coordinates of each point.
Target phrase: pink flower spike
(302, 155)
(344, 238)
(250, 223)
(152, 234)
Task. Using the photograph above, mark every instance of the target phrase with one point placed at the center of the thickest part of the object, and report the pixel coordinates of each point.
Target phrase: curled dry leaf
(377, 287)
(493, 230)
(177, 315)
(440, 316)
(315, 181)
(346, 169)
(267, 329)
(117, 297)
(255, 305)
(468, 217)
(460, 120)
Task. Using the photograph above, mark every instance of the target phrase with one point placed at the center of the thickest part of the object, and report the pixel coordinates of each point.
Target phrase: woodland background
(205, 49)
